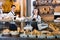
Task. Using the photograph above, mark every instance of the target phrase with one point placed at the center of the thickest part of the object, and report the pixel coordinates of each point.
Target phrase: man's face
(13, 8)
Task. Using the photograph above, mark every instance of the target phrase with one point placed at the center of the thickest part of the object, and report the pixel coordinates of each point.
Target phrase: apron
(13, 13)
(12, 25)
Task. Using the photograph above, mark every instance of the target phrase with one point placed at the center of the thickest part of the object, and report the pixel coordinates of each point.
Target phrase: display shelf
(46, 7)
(45, 3)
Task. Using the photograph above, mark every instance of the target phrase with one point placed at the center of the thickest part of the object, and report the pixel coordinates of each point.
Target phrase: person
(12, 25)
(12, 12)
(35, 19)
(1, 9)
(36, 15)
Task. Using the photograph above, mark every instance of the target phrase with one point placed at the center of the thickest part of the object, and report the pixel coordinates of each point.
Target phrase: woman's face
(35, 11)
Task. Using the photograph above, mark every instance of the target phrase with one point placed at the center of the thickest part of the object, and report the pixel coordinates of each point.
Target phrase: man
(12, 12)
(12, 25)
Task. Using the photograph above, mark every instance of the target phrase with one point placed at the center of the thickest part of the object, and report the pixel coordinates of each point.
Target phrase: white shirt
(1, 12)
(11, 14)
(38, 18)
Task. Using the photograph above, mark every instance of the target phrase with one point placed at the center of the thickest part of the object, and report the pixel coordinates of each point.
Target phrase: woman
(36, 15)
(35, 18)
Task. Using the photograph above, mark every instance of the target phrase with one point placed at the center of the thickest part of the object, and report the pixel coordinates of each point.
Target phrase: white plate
(32, 36)
(23, 35)
(14, 33)
(41, 36)
(58, 36)
(50, 37)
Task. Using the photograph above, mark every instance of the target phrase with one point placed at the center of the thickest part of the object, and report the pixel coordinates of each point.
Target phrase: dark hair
(38, 11)
(13, 6)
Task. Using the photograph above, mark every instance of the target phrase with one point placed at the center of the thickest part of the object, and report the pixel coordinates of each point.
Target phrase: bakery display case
(50, 31)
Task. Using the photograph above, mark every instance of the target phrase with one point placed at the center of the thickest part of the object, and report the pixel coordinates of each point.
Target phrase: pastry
(6, 32)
